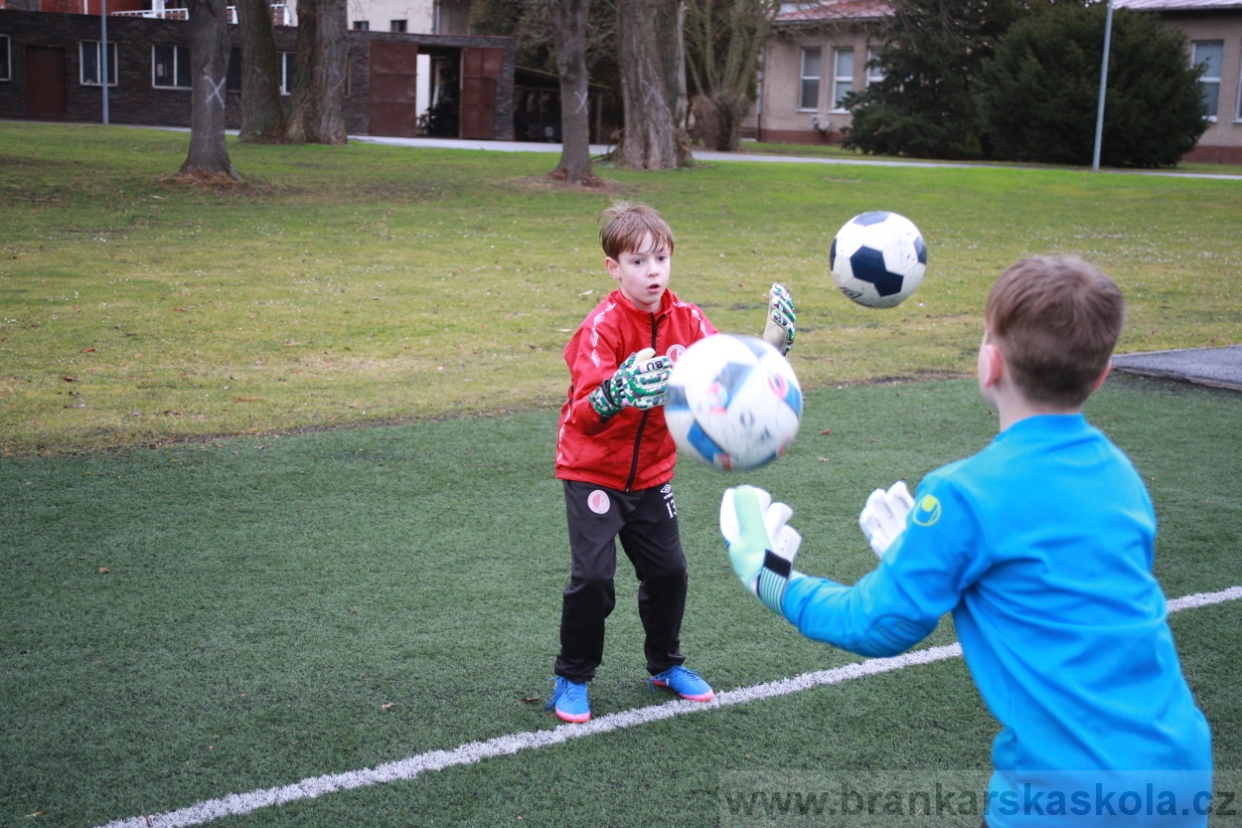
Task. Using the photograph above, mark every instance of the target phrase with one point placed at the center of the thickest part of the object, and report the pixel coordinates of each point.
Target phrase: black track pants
(646, 523)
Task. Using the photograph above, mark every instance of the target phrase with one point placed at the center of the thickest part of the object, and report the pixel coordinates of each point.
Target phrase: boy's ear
(1108, 369)
(993, 365)
(610, 264)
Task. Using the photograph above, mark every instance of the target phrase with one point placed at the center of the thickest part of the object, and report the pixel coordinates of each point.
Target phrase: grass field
(369, 283)
(243, 592)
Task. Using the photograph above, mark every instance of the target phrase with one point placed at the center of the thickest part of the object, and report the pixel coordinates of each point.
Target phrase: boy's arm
(639, 383)
(920, 577)
(605, 381)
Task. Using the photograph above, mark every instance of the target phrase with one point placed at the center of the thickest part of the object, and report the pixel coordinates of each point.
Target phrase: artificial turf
(183, 622)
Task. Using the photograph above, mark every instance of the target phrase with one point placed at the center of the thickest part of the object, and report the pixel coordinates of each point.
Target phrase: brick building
(52, 66)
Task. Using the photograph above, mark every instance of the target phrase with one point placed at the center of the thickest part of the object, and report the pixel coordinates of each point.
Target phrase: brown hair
(1056, 320)
(625, 225)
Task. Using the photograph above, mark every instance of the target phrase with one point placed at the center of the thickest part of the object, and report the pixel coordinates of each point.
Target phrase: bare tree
(649, 40)
(724, 39)
(263, 115)
(209, 63)
(569, 36)
(316, 108)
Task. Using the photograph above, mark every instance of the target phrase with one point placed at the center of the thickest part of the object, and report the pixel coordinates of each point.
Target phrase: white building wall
(420, 15)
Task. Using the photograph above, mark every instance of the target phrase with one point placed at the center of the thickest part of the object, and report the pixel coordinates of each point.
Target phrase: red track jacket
(633, 449)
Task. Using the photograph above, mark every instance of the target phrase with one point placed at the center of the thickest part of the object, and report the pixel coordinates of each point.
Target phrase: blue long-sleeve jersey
(1041, 546)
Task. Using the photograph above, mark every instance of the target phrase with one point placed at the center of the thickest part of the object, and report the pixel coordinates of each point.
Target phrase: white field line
(468, 754)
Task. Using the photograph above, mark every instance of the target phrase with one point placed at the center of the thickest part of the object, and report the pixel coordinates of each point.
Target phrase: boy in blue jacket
(1041, 546)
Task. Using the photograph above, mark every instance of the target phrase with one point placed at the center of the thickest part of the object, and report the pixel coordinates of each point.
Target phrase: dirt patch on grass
(222, 185)
(548, 182)
(905, 379)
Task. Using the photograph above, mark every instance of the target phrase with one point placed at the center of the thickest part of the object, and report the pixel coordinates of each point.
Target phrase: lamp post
(103, 48)
(1099, 115)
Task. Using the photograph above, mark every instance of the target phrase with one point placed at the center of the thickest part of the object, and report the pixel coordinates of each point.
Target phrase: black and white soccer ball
(733, 402)
(878, 259)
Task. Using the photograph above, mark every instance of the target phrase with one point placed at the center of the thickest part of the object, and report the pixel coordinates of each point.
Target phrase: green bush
(1039, 96)
(925, 106)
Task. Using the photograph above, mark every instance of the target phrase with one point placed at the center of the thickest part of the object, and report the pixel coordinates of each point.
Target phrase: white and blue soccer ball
(878, 259)
(733, 402)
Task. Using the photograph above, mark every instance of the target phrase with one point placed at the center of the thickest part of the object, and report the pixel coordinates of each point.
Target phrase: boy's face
(642, 275)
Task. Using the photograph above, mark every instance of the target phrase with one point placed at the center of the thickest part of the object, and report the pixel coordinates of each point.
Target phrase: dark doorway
(442, 119)
(45, 82)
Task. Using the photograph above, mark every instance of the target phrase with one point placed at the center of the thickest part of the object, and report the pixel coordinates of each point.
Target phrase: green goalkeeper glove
(884, 516)
(782, 321)
(640, 383)
(761, 547)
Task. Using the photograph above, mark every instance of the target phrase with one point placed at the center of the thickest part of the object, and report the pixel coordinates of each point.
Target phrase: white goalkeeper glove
(782, 321)
(640, 382)
(884, 516)
(761, 546)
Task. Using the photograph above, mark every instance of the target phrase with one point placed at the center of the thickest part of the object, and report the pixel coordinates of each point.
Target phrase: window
(396, 25)
(808, 87)
(843, 76)
(1239, 116)
(233, 77)
(288, 61)
(452, 17)
(170, 66)
(5, 69)
(92, 68)
(362, 26)
(1207, 54)
(875, 74)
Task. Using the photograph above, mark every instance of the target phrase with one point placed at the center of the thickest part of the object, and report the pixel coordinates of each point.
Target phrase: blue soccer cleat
(685, 683)
(569, 700)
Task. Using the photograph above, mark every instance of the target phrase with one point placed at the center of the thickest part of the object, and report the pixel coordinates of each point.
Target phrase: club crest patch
(598, 502)
(926, 511)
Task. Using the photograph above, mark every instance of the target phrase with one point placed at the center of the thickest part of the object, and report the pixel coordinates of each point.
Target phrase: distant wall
(134, 99)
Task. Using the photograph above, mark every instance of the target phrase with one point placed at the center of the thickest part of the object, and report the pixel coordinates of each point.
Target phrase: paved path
(702, 155)
(1218, 367)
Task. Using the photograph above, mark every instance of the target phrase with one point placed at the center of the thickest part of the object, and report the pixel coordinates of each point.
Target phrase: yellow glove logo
(927, 511)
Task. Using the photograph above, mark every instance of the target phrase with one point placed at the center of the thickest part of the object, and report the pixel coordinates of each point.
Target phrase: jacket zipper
(642, 424)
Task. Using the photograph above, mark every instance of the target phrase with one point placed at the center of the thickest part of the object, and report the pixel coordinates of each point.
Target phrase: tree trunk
(725, 40)
(670, 27)
(650, 77)
(569, 24)
(209, 63)
(263, 115)
(718, 119)
(316, 108)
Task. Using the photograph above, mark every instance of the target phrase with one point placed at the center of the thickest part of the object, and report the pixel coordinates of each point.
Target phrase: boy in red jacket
(616, 457)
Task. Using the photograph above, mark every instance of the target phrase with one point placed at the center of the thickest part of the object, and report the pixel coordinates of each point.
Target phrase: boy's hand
(761, 546)
(640, 383)
(782, 321)
(884, 516)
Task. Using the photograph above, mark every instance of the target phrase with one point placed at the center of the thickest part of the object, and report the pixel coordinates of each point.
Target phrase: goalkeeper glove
(761, 547)
(639, 382)
(782, 321)
(884, 516)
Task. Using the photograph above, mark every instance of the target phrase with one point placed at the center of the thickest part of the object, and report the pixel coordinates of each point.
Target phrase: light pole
(1099, 115)
(103, 47)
